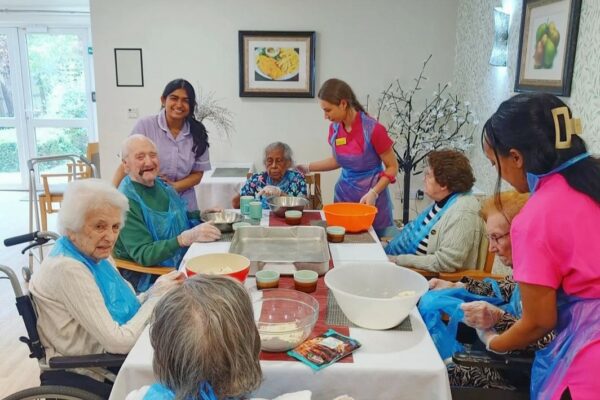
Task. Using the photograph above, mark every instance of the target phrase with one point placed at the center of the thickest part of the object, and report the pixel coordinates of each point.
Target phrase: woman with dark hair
(361, 147)
(533, 141)
(181, 139)
(446, 235)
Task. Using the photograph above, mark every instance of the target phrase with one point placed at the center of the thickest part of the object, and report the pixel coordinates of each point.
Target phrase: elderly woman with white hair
(84, 305)
(206, 344)
(277, 179)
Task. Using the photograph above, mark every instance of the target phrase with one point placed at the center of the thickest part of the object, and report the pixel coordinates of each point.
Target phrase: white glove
(436, 284)
(486, 336)
(303, 168)
(481, 314)
(165, 283)
(269, 191)
(370, 198)
(205, 232)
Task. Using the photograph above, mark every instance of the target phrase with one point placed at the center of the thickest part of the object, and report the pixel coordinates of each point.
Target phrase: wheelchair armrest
(486, 359)
(103, 360)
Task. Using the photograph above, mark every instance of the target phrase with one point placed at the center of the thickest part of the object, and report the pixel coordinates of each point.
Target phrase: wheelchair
(56, 370)
(515, 368)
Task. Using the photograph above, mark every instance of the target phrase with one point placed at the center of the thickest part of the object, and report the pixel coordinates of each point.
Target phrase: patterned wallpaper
(486, 86)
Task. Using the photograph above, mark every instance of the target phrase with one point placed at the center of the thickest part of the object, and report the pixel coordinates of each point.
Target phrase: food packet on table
(323, 350)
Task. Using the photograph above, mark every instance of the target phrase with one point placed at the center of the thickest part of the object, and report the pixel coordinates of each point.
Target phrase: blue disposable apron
(162, 225)
(578, 325)
(161, 392)
(435, 303)
(119, 299)
(283, 184)
(360, 172)
(408, 239)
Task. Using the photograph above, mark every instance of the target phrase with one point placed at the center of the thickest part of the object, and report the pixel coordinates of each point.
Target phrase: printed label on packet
(322, 351)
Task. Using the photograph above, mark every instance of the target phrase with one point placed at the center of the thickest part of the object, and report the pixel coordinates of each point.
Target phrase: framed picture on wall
(547, 46)
(277, 64)
(129, 68)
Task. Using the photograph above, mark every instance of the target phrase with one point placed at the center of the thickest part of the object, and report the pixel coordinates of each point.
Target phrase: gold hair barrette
(572, 127)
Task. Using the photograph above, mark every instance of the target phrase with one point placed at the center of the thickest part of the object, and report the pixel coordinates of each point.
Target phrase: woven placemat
(363, 237)
(335, 316)
(230, 172)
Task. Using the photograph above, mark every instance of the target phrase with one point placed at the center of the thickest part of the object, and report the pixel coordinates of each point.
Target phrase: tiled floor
(17, 371)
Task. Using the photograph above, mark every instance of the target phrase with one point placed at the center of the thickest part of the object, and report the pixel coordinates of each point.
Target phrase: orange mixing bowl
(229, 264)
(354, 217)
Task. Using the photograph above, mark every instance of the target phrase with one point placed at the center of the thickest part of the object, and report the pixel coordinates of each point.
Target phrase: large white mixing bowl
(373, 294)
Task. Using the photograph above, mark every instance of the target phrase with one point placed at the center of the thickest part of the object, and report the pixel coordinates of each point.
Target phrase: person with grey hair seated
(277, 179)
(83, 305)
(206, 344)
(158, 229)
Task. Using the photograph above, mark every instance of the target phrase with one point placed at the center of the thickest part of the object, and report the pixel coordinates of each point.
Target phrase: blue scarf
(407, 241)
(119, 299)
(161, 392)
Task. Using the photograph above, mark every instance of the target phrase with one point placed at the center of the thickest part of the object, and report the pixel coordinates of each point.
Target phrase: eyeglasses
(493, 238)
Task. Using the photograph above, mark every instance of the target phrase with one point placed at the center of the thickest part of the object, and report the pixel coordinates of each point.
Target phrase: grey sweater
(453, 241)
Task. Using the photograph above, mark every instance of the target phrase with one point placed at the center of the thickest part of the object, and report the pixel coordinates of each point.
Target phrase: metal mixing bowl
(279, 205)
(222, 220)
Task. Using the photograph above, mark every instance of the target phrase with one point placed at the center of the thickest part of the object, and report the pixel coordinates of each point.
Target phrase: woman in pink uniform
(362, 148)
(533, 141)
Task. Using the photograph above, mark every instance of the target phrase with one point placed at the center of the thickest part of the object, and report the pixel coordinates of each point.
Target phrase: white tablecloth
(218, 192)
(389, 365)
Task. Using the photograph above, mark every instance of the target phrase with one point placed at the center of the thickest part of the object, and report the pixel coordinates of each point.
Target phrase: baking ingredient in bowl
(406, 293)
(219, 270)
(280, 337)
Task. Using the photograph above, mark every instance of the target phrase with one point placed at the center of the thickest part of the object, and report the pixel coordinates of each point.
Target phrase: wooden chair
(132, 266)
(485, 263)
(93, 155)
(55, 184)
(313, 189)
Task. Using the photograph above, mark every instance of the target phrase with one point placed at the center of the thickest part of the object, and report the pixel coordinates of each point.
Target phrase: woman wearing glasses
(445, 237)
(481, 311)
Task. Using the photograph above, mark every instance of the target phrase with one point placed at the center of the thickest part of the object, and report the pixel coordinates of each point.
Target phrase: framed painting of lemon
(277, 64)
(547, 46)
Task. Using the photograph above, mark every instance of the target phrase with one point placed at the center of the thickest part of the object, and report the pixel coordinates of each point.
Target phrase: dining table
(220, 184)
(398, 363)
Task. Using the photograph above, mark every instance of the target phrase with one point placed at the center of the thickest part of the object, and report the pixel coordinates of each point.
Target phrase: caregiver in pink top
(534, 143)
(181, 140)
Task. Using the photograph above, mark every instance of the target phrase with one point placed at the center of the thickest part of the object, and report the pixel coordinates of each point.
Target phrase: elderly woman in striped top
(445, 237)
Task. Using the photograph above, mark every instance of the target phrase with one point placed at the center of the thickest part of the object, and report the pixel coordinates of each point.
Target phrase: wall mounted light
(500, 48)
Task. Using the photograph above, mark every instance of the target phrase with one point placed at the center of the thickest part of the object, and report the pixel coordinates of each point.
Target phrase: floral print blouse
(292, 184)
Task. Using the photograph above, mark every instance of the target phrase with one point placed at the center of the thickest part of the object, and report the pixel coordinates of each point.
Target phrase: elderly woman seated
(206, 344)
(445, 237)
(485, 304)
(277, 179)
(158, 228)
(84, 306)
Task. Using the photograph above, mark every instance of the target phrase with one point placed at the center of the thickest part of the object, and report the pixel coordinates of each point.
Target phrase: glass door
(58, 104)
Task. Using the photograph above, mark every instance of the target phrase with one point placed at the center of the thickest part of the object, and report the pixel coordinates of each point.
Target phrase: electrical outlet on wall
(133, 113)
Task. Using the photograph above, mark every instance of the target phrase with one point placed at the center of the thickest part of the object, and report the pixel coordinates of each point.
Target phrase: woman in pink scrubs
(533, 142)
(181, 140)
(362, 148)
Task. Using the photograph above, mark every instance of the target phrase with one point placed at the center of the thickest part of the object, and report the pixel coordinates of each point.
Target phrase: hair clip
(572, 127)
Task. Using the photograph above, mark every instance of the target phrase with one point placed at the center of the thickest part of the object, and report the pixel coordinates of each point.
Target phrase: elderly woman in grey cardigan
(84, 306)
(446, 236)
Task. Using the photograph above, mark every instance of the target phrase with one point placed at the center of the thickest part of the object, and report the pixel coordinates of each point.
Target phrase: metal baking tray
(284, 249)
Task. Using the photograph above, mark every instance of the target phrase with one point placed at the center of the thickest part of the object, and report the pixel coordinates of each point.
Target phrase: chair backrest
(313, 188)
(485, 258)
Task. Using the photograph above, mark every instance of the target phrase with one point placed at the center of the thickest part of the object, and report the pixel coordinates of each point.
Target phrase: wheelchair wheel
(53, 393)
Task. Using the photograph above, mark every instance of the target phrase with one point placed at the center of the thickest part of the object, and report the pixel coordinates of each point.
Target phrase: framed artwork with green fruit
(547, 46)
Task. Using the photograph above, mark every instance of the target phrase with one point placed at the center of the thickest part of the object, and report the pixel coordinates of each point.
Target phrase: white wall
(366, 43)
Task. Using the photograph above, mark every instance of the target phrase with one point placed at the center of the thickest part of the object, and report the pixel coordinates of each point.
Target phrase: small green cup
(255, 209)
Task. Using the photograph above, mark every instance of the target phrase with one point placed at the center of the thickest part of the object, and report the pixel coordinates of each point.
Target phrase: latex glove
(205, 232)
(481, 314)
(303, 168)
(486, 336)
(436, 284)
(270, 191)
(165, 283)
(370, 198)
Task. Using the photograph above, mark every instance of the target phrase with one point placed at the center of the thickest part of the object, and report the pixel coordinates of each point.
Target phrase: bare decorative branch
(209, 109)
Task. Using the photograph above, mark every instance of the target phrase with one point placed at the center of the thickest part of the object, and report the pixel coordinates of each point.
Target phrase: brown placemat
(230, 172)
(363, 237)
(335, 316)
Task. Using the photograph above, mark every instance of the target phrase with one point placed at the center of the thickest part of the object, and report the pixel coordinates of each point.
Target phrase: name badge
(340, 141)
